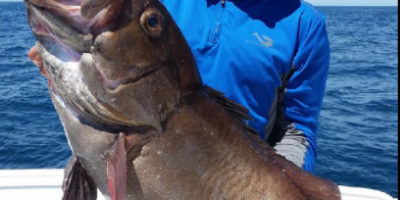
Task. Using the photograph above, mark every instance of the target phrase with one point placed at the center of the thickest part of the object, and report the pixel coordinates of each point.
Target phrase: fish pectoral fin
(77, 184)
(116, 170)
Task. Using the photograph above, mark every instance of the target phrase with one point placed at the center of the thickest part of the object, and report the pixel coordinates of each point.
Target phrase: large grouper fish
(140, 122)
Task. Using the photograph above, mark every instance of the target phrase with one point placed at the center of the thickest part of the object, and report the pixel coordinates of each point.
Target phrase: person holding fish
(270, 56)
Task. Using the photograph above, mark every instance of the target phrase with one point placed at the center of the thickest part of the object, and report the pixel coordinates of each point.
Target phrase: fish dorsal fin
(238, 112)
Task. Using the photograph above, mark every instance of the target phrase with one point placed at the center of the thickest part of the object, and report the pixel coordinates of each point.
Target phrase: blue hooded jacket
(271, 56)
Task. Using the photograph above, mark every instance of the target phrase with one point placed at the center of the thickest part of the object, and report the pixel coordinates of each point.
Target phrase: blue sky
(340, 2)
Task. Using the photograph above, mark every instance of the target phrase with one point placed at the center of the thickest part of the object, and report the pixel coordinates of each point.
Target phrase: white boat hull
(45, 184)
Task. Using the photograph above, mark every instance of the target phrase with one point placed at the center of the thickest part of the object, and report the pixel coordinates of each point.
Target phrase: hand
(36, 59)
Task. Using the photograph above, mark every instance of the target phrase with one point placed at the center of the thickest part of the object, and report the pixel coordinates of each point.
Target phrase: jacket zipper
(216, 27)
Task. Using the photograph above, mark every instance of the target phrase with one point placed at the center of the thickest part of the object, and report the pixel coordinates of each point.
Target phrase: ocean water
(358, 138)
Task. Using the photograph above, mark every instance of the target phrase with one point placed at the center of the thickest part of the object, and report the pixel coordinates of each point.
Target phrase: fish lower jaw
(69, 10)
(85, 15)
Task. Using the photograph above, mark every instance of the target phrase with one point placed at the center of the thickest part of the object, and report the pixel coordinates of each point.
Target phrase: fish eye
(152, 22)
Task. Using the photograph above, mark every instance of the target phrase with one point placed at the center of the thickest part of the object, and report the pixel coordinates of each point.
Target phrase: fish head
(131, 59)
(139, 41)
(143, 60)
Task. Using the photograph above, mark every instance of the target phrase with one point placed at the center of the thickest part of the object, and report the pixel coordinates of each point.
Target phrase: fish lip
(29, 3)
(90, 16)
(57, 7)
(30, 7)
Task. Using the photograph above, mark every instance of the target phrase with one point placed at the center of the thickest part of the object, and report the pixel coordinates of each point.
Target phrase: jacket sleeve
(302, 98)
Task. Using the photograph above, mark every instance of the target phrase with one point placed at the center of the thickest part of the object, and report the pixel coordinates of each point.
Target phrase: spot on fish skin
(158, 177)
(145, 151)
(103, 156)
(107, 34)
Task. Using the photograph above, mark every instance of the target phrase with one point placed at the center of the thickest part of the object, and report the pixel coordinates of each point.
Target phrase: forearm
(296, 147)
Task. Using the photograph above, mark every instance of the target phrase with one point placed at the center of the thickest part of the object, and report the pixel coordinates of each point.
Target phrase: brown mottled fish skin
(138, 83)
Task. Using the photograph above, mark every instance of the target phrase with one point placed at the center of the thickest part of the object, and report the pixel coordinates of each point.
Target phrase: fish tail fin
(313, 187)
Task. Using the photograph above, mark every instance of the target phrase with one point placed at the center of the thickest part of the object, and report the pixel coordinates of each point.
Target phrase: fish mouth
(67, 29)
(84, 16)
(60, 28)
(70, 25)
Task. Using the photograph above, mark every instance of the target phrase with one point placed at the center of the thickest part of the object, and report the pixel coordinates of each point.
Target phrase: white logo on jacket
(263, 40)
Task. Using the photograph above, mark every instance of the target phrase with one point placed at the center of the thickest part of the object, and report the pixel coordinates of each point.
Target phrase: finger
(35, 57)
